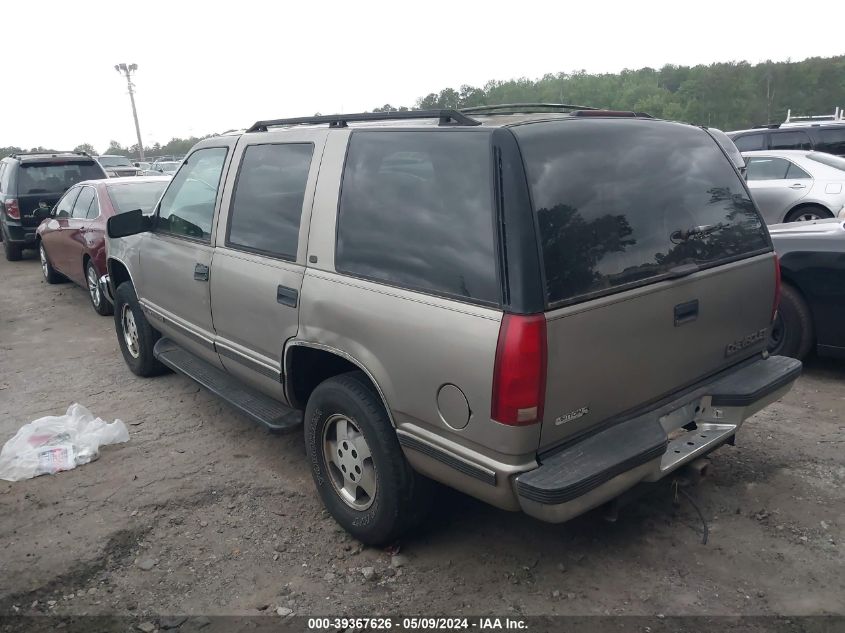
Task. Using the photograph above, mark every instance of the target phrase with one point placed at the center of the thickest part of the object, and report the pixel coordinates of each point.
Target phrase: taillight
(777, 287)
(519, 376)
(13, 210)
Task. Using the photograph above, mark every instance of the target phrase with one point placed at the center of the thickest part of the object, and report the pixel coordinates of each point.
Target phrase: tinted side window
(187, 207)
(267, 203)
(622, 202)
(750, 142)
(94, 209)
(83, 202)
(831, 140)
(766, 168)
(790, 140)
(416, 210)
(65, 205)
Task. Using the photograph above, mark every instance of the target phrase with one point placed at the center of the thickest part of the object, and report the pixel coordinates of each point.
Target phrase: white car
(796, 185)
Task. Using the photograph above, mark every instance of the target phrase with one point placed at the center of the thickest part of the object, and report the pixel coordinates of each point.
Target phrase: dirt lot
(203, 512)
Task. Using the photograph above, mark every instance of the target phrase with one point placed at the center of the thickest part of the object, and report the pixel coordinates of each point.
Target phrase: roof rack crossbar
(524, 107)
(446, 117)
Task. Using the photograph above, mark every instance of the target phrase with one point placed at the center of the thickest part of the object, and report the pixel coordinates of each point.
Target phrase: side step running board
(255, 405)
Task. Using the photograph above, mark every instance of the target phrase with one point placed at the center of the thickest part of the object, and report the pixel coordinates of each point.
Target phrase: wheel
(134, 334)
(807, 213)
(98, 301)
(358, 466)
(792, 331)
(50, 274)
(13, 251)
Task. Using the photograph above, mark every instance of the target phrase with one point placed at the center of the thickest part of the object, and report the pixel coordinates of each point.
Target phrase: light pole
(128, 69)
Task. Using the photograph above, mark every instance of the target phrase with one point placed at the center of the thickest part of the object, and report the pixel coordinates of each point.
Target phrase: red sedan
(71, 242)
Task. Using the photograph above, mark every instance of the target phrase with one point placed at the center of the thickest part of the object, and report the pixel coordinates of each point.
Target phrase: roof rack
(838, 115)
(47, 153)
(446, 117)
(622, 114)
(770, 126)
(513, 108)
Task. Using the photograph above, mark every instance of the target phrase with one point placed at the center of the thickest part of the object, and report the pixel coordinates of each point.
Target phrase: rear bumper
(594, 470)
(19, 234)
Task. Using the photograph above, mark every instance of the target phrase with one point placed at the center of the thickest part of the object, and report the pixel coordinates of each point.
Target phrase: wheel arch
(307, 364)
(118, 273)
(807, 205)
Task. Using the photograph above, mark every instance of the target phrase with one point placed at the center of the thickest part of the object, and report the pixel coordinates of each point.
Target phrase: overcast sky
(211, 66)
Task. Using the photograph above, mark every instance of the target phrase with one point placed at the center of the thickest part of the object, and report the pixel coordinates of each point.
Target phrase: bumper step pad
(585, 465)
(255, 405)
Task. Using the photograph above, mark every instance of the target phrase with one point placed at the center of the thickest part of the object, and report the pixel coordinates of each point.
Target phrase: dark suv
(30, 184)
(820, 137)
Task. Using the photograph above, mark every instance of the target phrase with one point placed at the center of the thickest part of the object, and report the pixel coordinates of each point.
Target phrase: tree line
(174, 147)
(728, 96)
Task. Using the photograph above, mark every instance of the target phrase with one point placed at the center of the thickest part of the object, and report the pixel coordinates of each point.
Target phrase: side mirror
(129, 223)
(137, 164)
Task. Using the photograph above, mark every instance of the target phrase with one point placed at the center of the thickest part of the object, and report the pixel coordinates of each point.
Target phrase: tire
(50, 274)
(395, 498)
(100, 304)
(139, 357)
(792, 331)
(13, 252)
(808, 213)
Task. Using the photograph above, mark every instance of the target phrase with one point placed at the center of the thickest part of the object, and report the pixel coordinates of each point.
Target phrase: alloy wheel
(44, 265)
(93, 286)
(130, 331)
(349, 462)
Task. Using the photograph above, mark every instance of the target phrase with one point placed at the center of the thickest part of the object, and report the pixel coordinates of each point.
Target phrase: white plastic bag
(55, 443)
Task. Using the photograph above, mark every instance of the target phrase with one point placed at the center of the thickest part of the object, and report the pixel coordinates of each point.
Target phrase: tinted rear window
(55, 178)
(790, 140)
(831, 140)
(416, 210)
(131, 196)
(615, 202)
(750, 142)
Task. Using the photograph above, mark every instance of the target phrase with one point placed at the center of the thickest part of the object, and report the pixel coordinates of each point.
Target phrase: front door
(72, 251)
(259, 262)
(175, 258)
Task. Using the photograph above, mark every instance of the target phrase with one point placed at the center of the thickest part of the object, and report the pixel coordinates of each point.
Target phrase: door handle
(201, 272)
(686, 312)
(287, 296)
(797, 185)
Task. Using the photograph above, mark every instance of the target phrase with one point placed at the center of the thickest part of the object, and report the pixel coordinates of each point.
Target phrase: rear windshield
(837, 162)
(621, 203)
(114, 161)
(56, 177)
(131, 196)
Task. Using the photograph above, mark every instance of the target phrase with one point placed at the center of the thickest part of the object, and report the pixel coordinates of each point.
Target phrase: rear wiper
(682, 235)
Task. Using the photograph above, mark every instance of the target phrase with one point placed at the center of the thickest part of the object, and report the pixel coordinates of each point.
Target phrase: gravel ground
(203, 512)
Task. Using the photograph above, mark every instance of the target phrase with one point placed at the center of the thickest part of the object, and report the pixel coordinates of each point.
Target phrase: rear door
(259, 261)
(777, 185)
(175, 258)
(655, 262)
